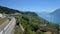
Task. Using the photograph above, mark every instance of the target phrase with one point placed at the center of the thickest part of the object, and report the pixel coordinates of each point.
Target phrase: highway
(8, 26)
(3, 25)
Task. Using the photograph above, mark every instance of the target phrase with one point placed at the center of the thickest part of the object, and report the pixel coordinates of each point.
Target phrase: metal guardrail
(6, 28)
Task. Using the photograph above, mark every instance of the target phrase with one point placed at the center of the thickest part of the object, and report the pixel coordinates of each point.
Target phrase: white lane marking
(6, 27)
(1, 32)
(9, 26)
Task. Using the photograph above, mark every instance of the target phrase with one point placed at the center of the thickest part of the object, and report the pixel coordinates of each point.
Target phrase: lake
(50, 18)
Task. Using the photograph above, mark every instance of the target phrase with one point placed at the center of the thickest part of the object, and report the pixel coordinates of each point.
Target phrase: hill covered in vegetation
(8, 10)
(29, 20)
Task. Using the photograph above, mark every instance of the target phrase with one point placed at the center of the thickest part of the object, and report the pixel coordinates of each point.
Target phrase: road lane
(3, 25)
(8, 26)
(11, 26)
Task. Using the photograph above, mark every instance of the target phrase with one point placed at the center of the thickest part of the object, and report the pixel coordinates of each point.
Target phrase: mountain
(42, 13)
(8, 10)
(56, 13)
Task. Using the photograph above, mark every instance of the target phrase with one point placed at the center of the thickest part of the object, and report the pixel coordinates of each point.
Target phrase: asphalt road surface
(8, 26)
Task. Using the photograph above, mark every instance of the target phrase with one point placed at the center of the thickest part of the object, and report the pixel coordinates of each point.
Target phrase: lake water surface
(50, 18)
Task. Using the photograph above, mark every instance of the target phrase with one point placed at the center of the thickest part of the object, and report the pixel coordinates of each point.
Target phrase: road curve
(8, 26)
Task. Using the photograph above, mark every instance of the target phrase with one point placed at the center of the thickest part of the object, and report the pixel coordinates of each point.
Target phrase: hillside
(8, 10)
(29, 20)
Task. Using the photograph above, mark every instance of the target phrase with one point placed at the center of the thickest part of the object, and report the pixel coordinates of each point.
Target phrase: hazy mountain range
(56, 13)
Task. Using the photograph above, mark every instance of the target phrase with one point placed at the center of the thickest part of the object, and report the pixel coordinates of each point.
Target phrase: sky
(32, 5)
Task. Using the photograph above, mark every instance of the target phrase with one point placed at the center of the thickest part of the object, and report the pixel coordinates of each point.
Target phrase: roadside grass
(2, 20)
